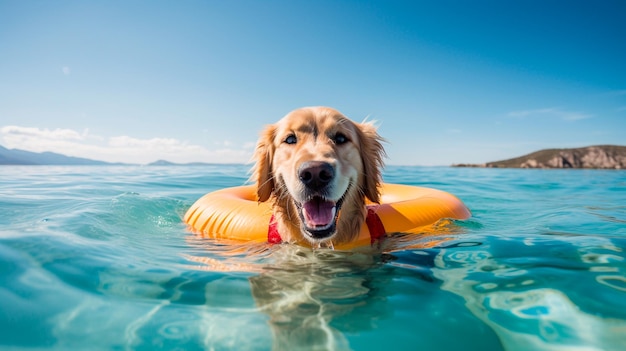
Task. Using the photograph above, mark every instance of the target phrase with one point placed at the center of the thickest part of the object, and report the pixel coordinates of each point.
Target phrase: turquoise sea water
(97, 258)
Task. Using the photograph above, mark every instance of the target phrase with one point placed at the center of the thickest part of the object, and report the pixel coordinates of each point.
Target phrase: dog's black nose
(315, 175)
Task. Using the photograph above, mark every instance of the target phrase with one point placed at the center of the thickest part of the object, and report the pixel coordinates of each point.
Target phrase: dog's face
(318, 166)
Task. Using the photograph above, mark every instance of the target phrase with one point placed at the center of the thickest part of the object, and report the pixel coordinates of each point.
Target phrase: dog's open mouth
(319, 216)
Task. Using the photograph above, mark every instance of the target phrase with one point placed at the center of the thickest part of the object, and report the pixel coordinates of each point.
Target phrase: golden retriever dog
(317, 167)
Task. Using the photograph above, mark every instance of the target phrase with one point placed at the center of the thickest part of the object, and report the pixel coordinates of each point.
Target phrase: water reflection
(304, 291)
(334, 300)
(543, 292)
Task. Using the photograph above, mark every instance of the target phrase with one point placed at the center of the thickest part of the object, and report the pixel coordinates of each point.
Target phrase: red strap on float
(273, 237)
(374, 224)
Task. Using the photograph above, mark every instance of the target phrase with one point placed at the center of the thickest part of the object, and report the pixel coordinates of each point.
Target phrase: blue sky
(446, 81)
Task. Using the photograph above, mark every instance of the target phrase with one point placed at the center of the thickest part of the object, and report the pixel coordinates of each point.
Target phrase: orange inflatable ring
(235, 213)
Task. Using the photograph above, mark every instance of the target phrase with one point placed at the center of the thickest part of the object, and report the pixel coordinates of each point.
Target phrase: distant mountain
(595, 157)
(162, 163)
(22, 157)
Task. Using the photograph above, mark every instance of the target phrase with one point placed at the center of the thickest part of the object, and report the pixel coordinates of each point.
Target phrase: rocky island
(591, 157)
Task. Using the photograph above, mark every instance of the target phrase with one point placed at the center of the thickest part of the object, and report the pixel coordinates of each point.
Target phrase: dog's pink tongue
(318, 213)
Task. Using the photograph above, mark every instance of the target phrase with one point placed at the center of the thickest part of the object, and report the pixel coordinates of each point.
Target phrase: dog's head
(318, 166)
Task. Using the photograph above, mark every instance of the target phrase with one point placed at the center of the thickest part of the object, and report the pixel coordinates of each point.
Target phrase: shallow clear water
(98, 258)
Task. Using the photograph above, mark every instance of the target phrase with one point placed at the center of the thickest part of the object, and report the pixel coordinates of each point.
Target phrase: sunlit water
(97, 258)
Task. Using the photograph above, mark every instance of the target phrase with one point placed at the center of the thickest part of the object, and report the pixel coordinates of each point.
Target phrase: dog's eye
(340, 138)
(291, 139)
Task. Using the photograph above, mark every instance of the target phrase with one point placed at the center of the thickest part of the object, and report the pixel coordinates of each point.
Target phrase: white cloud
(66, 70)
(54, 134)
(152, 144)
(118, 148)
(550, 112)
(225, 143)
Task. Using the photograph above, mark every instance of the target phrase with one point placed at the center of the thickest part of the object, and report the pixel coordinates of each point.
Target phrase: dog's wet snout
(315, 175)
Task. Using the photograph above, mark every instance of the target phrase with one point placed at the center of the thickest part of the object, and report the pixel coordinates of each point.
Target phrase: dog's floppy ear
(372, 154)
(263, 163)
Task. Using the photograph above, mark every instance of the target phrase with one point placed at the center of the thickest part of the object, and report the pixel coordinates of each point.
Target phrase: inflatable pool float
(235, 213)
